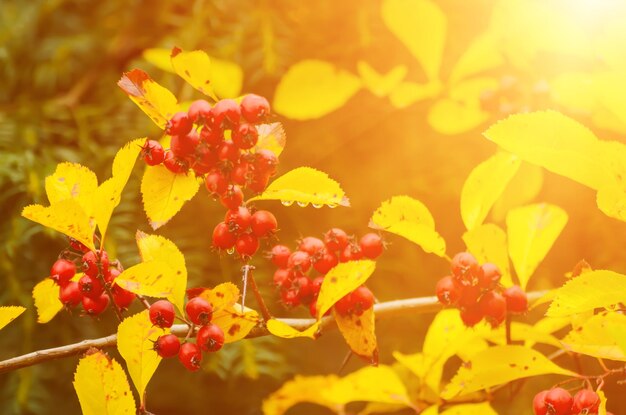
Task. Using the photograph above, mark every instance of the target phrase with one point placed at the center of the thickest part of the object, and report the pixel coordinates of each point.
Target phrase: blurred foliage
(59, 62)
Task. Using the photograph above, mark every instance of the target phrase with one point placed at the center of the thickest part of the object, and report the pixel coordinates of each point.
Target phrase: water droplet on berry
(303, 204)
(230, 251)
(317, 205)
(287, 202)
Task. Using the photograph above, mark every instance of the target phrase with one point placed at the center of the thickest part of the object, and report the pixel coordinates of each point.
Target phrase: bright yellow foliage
(271, 137)
(71, 181)
(9, 313)
(381, 85)
(359, 333)
(341, 280)
(599, 336)
(46, 298)
(281, 329)
(487, 243)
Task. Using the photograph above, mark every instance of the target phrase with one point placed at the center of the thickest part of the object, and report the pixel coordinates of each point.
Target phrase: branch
(421, 305)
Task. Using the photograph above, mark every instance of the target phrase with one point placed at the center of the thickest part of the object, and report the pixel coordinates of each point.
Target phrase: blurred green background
(59, 64)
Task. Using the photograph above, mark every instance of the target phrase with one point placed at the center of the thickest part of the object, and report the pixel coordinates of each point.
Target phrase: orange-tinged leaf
(369, 384)
(358, 331)
(271, 137)
(304, 186)
(341, 280)
(408, 93)
(281, 329)
(487, 243)
(66, 216)
(46, 298)
(484, 185)
(135, 338)
(102, 386)
(497, 365)
(313, 88)
(71, 181)
(381, 85)
(598, 337)
(164, 193)
(532, 231)
(421, 25)
(9, 313)
(301, 389)
(411, 219)
(156, 101)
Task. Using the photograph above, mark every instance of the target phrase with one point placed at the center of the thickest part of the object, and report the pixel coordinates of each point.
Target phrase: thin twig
(249, 276)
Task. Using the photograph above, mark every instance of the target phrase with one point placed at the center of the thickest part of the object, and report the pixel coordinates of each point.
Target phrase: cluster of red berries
(292, 276)
(476, 290)
(558, 401)
(200, 142)
(210, 337)
(91, 288)
(242, 230)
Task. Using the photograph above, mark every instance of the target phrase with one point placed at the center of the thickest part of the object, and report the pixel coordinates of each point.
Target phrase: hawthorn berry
(245, 136)
(465, 268)
(254, 108)
(210, 338)
(304, 287)
(264, 223)
(471, 315)
(216, 183)
(228, 152)
(90, 286)
(167, 345)
(239, 173)
(516, 299)
(259, 181)
(351, 252)
(336, 239)
(199, 111)
(371, 245)
(162, 313)
(362, 300)
(246, 245)
(469, 294)
(239, 219)
(282, 277)
(78, 246)
(223, 238)
(70, 295)
(211, 136)
(179, 124)
(226, 113)
(493, 307)
(311, 245)
(448, 291)
(121, 297)
(203, 160)
(110, 276)
(265, 161)
(559, 401)
(317, 284)
(183, 146)
(190, 356)
(290, 298)
(91, 260)
(199, 311)
(344, 305)
(325, 262)
(152, 153)
(95, 306)
(490, 276)
(280, 255)
(174, 164)
(300, 261)
(585, 402)
(62, 271)
(539, 404)
(232, 198)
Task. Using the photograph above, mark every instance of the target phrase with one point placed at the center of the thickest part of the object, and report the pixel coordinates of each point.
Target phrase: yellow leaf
(222, 296)
(156, 101)
(300, 389)
(271, 137)
(227, 78)
(408, 93)
(46, 297)
(487, 243)
(409, 218)
(484, 185)
(135, 338)
(450, 117)
(574, 90)
(66, 216)
(195, 68)
(71, 181)
(108, 195)
(102, 386)
(470, 409)
(381, 85)
(422, 27)
(305, 185)
(597, 337)
(522, 332)
(312, 88)
(159, 57)
(481, 55)
(9, 313)
(370, 384)
(358, 331)
(588, 291)
(532, 231)
(341, 280)
(522, 189)
(281, 329)
(164, 193)
(602, 409)
(497, 365)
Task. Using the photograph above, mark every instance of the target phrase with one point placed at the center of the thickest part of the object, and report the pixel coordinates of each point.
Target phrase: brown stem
(507, 326)
(249, 277)
(107, 287)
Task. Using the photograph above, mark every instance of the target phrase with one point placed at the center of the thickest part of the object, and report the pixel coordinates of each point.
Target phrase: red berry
(239, 173)
(62, 271)
(238, 220)
(493, 307)
(199, 111)
(203, 160)
(304, 286)
(469, 294)
(228, 151)
(162, 313)
(232, 198)
(184, 146)
(121, 297)
(78, 246)
(471, 315)
(465, 268)
(300, 261)
(95, 306)
(212, 136)
(362, 300)
(344, 305)
(210, 338)
(190, 356)
(317, 284)
(265, 161)
(280, 255)
(245, 136)
(539, 405)
(311, 245)
(371, 245)
(70, 295)
(223, 238)
(216, 183)
(174, 164)
(290, 297)
(586, 402)
(490, 276)
(351, 253)
(247, 245)
(152, 153)
(110, 276)
(255, 108)
(325, 262)
(448, 291)
(226, 113)
(167, 345)
(90, 286)
(259, 181)
(559, 401)
(199, 311)
(91, 260)
(282, 278)
(179, 124)
(264, 223)
(336, 239)
(516, 299)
